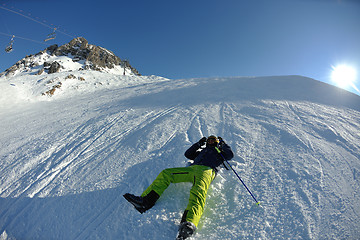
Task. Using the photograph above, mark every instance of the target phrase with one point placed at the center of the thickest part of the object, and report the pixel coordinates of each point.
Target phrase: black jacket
(209, 156)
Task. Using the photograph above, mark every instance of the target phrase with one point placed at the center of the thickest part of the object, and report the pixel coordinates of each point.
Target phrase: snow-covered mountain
(78, 54)
(66, 159)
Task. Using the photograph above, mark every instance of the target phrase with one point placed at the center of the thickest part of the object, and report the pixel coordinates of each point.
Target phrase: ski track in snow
(66, 162)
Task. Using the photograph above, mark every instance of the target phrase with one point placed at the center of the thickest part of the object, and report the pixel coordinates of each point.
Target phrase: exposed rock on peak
(80, 51)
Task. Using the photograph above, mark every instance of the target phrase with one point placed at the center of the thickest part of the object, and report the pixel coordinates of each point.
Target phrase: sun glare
(344, 76)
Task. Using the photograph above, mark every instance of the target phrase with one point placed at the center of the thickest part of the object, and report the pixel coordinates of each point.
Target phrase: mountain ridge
(79, 51)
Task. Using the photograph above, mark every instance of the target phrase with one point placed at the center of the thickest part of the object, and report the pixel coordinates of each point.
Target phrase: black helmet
(212, 140)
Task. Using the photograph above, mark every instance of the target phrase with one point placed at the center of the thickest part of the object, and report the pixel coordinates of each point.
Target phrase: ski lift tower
(125, 64)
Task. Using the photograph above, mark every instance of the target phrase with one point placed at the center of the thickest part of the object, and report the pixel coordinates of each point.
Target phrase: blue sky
(197, 38)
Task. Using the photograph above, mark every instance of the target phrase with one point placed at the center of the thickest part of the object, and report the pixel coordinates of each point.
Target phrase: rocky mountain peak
(87, 56)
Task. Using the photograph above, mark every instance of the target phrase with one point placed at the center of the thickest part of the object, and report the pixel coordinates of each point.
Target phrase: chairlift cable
(5, 25)
(28, 39)
(32, 19)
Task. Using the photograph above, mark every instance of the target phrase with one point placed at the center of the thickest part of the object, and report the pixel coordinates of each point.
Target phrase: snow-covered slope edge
(65, 163)
(26, 88)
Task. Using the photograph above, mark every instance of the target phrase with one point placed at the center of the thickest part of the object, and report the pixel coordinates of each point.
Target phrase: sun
(344, 76)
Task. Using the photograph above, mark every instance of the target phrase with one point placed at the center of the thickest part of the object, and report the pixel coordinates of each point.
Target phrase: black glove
(202, 141)
(221, 142)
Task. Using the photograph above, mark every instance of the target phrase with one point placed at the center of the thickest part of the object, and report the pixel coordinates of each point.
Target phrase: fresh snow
(66, 160)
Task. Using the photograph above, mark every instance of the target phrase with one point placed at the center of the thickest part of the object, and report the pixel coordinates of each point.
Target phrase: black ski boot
(186, 230)
(142, 204)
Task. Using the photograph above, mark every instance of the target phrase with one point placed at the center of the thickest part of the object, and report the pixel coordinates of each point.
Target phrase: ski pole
(257, 202)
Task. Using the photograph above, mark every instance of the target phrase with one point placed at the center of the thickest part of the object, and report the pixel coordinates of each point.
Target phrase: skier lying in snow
(201, 173)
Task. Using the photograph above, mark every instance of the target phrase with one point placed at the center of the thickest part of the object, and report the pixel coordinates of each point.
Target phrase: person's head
(212, 141)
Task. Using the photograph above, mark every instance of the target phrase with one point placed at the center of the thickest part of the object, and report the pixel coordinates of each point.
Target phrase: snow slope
(66, 160)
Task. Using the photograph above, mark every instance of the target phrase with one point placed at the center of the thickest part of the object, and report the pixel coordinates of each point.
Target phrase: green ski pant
(200, 176)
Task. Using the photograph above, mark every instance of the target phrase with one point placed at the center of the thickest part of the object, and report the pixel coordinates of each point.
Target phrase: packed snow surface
(67, 159)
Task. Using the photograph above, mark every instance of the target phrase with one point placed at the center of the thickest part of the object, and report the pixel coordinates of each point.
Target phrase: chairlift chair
(51, 36)
(9, 48)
